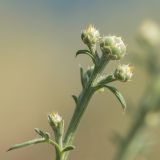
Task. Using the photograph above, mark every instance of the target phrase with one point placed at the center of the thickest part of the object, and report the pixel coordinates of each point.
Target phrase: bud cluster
(111, 46)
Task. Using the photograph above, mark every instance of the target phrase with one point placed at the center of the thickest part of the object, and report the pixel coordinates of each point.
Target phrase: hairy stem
(81, 106)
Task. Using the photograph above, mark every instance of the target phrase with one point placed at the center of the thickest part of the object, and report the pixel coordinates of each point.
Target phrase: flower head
(90, 36)
(57, 124)
(55, 118)
(123, 73)
(113, 47)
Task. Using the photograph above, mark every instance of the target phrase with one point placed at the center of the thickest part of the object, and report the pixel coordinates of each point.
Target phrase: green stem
(82, 103)
(59, 141)
(58, 157)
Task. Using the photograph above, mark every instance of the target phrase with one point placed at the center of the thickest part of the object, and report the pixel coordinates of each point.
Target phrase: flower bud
(54, 119)
(90, 36)
(57, 124)
(113, 47)
(123, 73)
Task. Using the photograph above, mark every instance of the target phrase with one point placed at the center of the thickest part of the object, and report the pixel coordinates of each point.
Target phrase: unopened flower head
(123, 73)
(55, 118)
(113, 47)
(90, 36)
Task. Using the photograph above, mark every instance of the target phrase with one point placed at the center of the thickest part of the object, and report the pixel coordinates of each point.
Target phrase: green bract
(113, 47)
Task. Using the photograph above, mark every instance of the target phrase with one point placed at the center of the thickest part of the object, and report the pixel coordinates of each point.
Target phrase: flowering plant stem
(81, 105)
(112, 48)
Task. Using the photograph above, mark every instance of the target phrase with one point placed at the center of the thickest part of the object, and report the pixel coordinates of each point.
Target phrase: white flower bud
(113, 47)
(90, 36)
(123, 73)
(55, 118)
(57, 124)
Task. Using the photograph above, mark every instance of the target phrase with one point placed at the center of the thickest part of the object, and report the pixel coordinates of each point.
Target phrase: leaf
(68, 148)
(75, 98)
(28, 143)
(83, 51)
(87, 52)
(118, 95)
(86, 78)
(41, 133)
(46, 136)
(89, 71)
(82, 77)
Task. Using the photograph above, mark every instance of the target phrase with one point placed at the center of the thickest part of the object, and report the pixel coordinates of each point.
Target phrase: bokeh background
(39, 73)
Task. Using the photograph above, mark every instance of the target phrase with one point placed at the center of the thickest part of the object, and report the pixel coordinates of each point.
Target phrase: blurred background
(39, 72)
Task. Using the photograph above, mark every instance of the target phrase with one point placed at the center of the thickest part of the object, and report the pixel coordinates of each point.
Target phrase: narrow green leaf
(28, 143)
(82, 77)
(86, 52)
(46, 136)
(68, 148)
(75, 98)
(90, 71)
(40, 132)
(83, 51)
(86, 78)
(118, 95)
